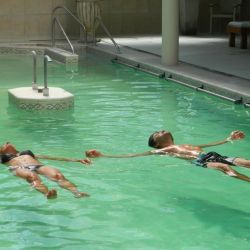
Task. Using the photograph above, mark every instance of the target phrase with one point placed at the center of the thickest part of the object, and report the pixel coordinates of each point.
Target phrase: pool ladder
(45, 89)
(97, 20)
(55, 21)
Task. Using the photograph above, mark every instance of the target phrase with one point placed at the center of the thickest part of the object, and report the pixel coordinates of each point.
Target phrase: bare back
(23, 160)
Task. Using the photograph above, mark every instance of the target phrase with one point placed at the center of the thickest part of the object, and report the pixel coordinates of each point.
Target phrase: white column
(170, 32)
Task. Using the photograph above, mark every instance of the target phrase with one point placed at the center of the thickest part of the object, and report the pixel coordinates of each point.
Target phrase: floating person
(25, 165)
(163, 142)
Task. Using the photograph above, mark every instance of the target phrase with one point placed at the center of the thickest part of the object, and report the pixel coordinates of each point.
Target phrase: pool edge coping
(178, 75)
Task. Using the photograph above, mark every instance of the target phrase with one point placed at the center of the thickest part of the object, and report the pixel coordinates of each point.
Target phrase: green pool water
(141, 203)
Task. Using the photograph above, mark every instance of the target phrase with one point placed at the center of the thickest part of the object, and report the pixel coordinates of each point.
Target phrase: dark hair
(151, 140)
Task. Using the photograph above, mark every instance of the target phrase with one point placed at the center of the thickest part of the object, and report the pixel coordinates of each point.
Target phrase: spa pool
(148, 203)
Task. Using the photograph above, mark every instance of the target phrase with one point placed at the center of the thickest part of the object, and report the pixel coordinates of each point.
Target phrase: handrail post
(34, 83)
(53, 33)
(108, 33)
(45, 89)
(55, 20)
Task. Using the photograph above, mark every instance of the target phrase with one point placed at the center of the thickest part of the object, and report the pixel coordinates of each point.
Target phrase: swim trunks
(32, 168)
(204, 158)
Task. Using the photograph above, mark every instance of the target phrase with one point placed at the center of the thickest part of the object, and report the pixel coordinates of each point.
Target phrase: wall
(27, 20)
(245, 10)
(203, 20)
(132, 16)
(30, 20)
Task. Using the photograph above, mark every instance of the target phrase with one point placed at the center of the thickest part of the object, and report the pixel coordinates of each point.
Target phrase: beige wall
(25, 20)
(30, 20)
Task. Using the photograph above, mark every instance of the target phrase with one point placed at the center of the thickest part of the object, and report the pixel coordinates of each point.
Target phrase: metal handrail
(55, 20)
(70, 13)
(107, 32)
(45, 68)
(34, 83)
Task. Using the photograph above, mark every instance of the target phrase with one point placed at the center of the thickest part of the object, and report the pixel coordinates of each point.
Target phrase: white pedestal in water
(29, 99)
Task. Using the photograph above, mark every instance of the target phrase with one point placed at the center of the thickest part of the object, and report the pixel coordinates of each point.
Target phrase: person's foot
(52, 194)
(78, 194)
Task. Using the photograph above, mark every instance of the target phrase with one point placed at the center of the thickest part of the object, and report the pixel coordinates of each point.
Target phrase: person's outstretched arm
(93, 153)
(235, 135)
(83, 161)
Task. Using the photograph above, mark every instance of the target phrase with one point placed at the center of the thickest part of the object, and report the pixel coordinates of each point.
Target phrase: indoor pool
(147, 203)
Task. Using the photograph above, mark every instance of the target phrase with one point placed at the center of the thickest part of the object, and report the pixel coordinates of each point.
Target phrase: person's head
(8, 148)
(160, 139)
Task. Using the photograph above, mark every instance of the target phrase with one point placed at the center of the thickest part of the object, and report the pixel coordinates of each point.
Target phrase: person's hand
(93, 153)
(85, 161)
(236, 135)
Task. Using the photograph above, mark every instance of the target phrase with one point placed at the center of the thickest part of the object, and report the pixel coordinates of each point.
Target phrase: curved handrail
(70, 13)
(55, 20)
(108, 33)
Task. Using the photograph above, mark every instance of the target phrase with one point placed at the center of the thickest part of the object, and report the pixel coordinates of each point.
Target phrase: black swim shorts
(204, 158)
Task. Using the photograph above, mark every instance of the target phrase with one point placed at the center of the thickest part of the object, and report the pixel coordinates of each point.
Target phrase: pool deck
(206, 63)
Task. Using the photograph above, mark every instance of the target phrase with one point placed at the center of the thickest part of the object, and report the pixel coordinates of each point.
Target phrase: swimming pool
(140, 203)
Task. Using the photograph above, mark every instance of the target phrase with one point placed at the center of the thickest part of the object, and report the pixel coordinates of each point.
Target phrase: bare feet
(78, 194)
(52, 194)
